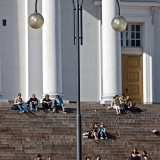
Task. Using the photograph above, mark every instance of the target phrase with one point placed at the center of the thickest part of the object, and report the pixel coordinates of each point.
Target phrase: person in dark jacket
(128, 104)
(46, 102)
(33, 102)
(39, 157)
(135, 155)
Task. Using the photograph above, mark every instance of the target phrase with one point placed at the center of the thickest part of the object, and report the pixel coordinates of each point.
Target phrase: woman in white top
(145, 156)
(116, 104)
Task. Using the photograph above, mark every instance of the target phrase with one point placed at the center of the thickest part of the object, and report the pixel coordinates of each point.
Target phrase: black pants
(46, 106)
(127, 108)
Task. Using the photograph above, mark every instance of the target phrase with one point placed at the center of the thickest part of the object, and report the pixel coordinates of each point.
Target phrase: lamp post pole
(79, 141)
(36, 6)
(78, 38)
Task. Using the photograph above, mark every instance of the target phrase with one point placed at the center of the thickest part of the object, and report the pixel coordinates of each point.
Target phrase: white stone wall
(13, 48)
(21, 51)
(90, 78)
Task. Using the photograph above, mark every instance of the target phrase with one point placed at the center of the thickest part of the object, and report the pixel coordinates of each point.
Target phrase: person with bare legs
(116, 104)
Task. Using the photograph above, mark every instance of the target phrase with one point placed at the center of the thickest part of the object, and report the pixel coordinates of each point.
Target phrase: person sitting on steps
(122, 99)
(58, 102)
(116, 104)
(39, 157)
(135, 155)
(33, 102)
(102, 131)
(145, 156)
(18, 101)
(93, 133)
(49, 157)
(46, 102)
(128, 104)
(98, 157)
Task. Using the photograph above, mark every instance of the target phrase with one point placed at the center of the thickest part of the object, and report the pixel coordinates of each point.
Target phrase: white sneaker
(31, 109)
(20, 111)
(102, 138)
(48, 109)
(36, 109)
(85, 136)
(106, 138)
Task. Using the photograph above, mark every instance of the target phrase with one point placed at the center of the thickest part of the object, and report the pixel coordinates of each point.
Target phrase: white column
(52, 62)
(111, 53)
(1, 95)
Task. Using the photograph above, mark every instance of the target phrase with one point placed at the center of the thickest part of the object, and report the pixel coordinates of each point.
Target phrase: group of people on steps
(121, 104)
(97, 132)
(33, 103)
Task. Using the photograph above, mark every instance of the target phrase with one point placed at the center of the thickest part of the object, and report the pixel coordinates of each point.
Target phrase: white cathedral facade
(44, 60)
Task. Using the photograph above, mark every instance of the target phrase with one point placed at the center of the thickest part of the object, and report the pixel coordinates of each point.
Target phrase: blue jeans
(32, 105)
(102, 134)
(121, 105)
(22, 107)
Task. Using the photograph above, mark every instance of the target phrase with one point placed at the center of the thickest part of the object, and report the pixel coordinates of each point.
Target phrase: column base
(2, 99)
(106, 101)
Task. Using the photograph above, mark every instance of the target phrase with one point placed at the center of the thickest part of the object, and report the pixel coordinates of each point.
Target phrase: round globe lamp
(119, 23)
(36, 20)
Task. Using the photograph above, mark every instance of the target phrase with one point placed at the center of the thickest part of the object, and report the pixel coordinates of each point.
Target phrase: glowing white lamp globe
(36, 20)
(119, 23)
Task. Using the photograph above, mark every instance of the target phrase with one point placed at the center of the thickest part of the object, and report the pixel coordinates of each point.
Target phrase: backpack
(14, 107)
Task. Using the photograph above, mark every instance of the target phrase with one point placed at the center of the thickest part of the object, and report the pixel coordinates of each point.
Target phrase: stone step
(26, 135)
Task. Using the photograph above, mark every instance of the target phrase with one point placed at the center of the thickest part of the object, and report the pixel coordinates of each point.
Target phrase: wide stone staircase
(23, 136)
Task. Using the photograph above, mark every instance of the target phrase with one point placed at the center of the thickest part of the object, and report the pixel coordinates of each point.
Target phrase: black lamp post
(77, 10)
(118, 24)
(36, 20)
